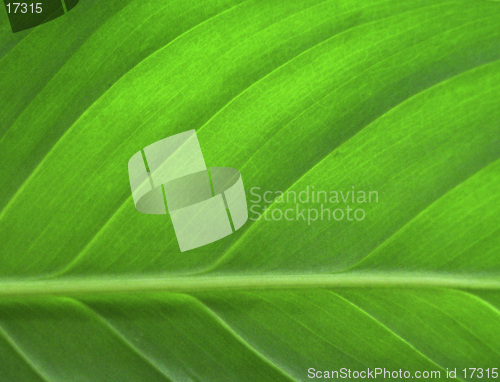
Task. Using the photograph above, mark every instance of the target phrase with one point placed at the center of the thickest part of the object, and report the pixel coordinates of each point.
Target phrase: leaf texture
(399, 98)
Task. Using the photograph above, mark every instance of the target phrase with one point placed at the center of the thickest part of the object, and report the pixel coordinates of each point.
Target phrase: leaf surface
(396, 98)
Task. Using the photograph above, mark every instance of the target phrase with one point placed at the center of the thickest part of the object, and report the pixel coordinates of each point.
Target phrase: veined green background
(401, 97)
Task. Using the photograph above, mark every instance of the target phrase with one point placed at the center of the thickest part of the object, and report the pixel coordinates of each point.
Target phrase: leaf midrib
(179, 284)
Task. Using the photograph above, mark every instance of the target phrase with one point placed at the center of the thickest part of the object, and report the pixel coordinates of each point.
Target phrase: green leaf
(396, 98)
